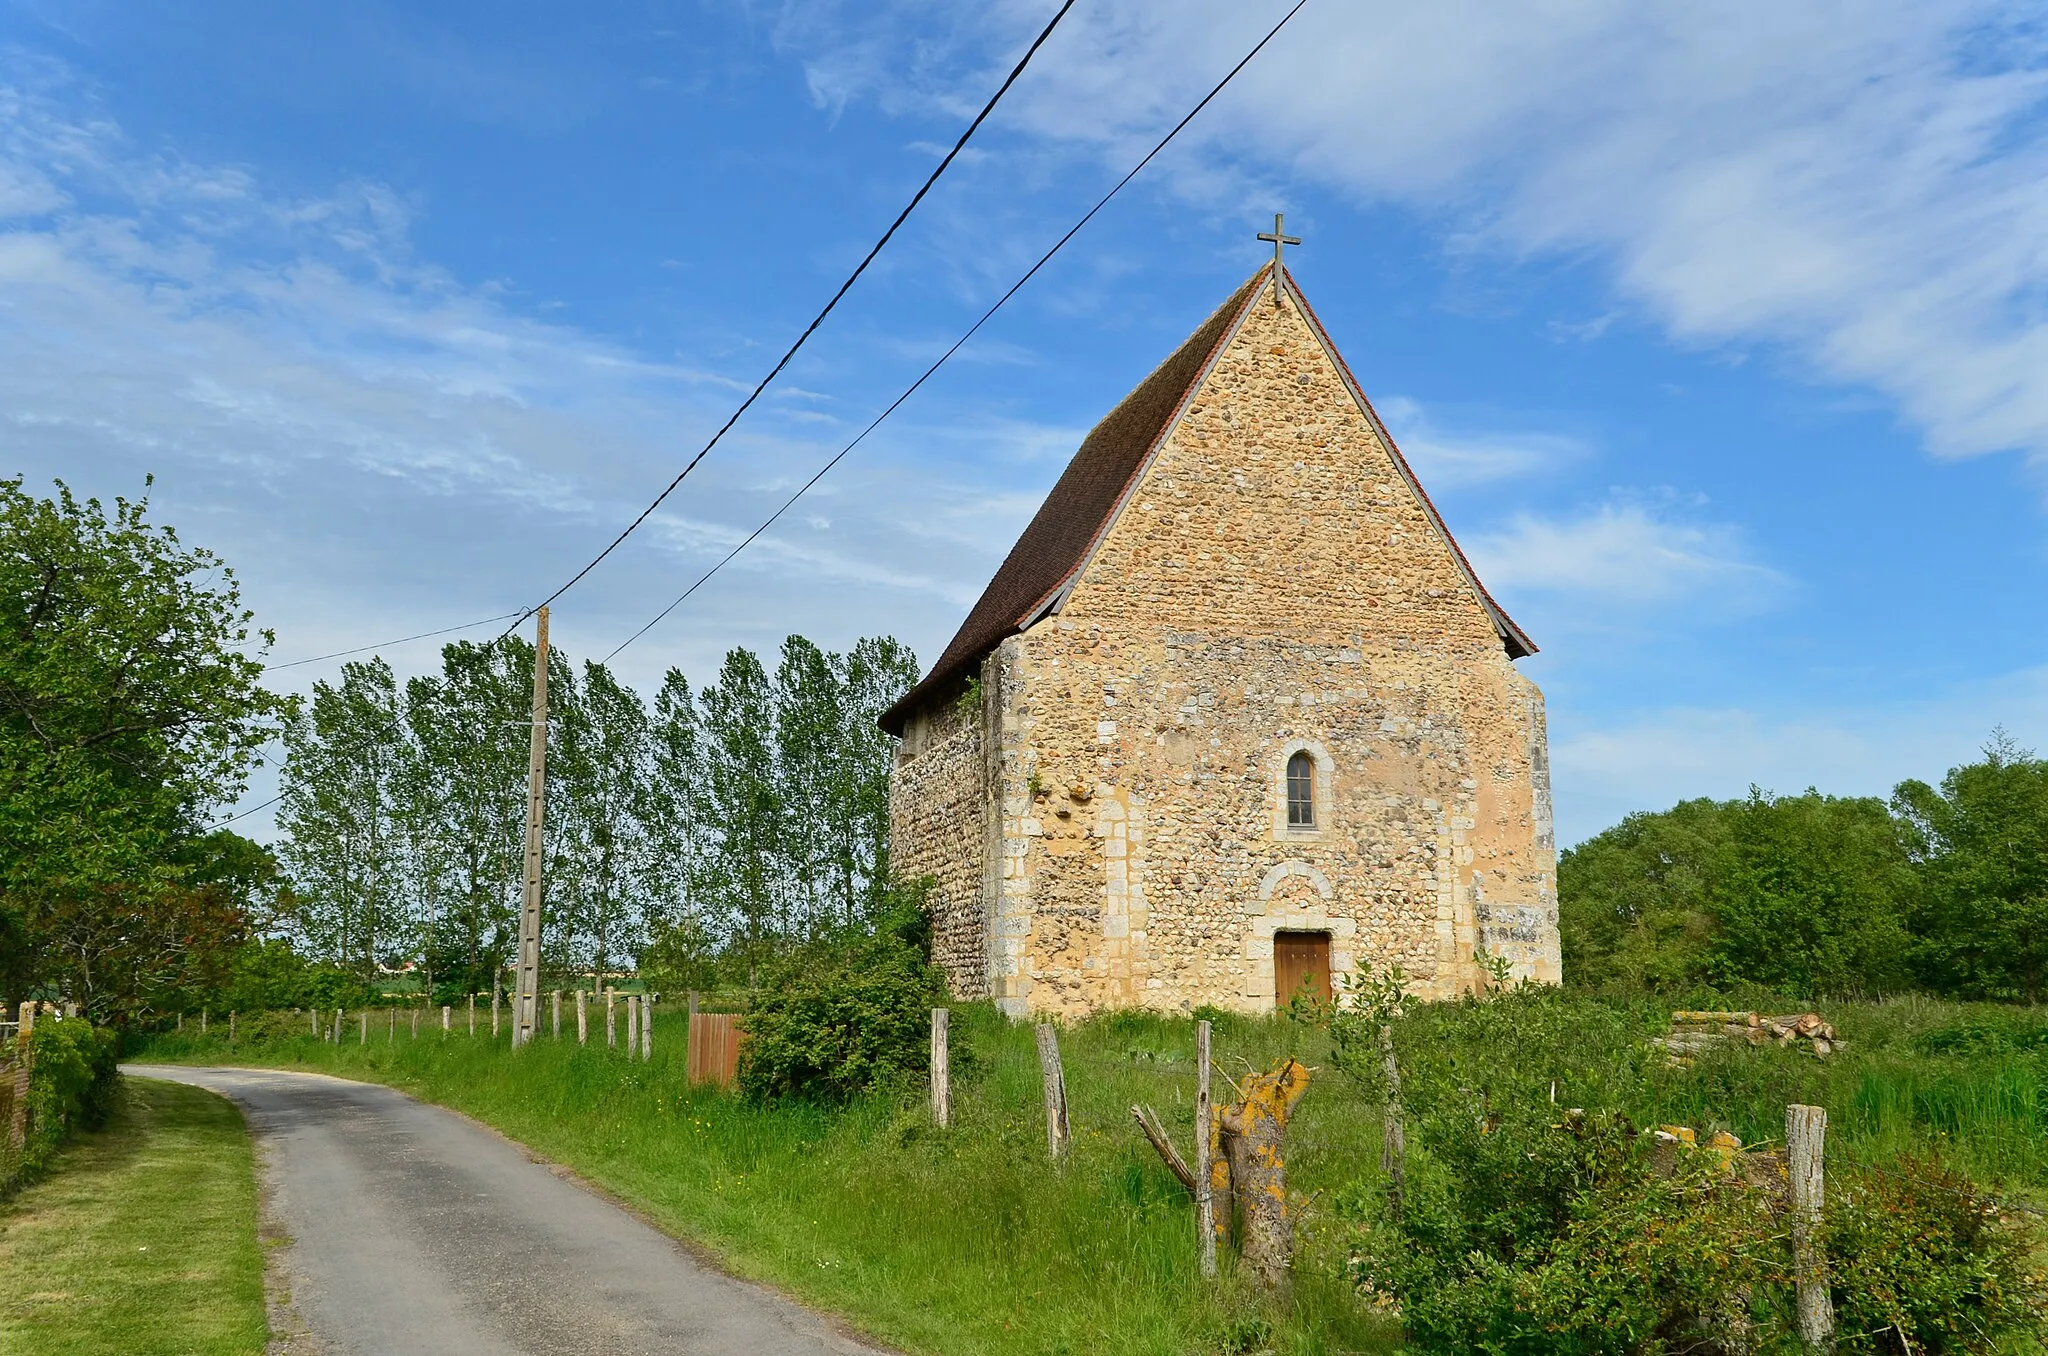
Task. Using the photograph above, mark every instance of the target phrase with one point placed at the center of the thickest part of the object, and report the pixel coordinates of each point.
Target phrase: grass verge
(142, 1239)
(966, 1241)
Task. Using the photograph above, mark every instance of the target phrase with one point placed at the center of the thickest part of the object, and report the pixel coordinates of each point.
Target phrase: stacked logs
(1693, 1033)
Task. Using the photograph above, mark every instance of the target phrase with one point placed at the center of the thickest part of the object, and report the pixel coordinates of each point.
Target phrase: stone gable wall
(1271, 584)
(1108, 826)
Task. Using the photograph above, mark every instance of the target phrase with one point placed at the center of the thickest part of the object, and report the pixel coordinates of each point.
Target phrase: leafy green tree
(598, 793)
(1981, 844)
(130, 708)
(1801, 893)
(872, 677)
(739, 801)
(1634, 906)
(469, 727)
(675, 883)
(343, 760)
(1813, 896)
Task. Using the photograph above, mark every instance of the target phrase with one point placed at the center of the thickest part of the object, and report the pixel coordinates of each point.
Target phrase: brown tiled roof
(1084, 501)
(1080, 505)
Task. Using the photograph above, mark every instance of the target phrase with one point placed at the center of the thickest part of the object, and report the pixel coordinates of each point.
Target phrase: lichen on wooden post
(1253, 1132)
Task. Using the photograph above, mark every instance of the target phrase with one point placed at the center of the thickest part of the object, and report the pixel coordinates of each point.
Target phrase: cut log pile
(1693, 1033)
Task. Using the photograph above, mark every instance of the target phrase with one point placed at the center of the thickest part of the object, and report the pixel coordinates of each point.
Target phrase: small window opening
(1301, 791)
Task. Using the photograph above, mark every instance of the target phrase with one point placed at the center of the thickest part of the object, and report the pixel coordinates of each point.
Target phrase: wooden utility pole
(527, 1006)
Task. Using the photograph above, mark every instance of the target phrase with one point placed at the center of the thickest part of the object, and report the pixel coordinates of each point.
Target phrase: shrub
(1531, 1226)
(71, 1087)
(1920, 1256)
(837, 1021)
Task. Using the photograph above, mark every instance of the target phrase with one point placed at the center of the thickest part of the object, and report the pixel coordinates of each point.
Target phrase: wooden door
(1299, 956)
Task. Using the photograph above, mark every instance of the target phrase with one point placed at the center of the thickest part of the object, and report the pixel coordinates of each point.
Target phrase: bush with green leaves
(72, 1080)
(838, 1020)
(1529, 1224)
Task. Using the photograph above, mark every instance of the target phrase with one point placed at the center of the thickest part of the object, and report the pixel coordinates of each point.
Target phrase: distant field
(142, 1240)
(966, 1241)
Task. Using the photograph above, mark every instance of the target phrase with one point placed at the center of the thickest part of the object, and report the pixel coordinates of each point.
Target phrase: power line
(402, 640)
(819, 319)
(1015, 287)
(246, 813)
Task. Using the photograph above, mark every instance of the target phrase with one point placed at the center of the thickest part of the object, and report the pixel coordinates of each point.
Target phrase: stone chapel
(1234, 717)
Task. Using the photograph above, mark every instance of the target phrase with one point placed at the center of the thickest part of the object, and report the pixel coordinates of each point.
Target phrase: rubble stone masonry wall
(940, 827)
(1272, 585)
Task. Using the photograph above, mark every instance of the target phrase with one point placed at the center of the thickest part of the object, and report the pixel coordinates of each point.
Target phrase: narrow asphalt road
(412, 1229)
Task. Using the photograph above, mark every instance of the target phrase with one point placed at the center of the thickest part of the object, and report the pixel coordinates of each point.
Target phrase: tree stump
(1251, 1134)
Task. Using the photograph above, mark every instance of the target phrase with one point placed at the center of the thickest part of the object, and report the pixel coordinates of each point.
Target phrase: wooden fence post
(647, 1027)
(315, 1017)
(582, 1017)
(445, 1015)
(1806, 1129)
(181, 1024)
(364, 1017)
(494, 1010)
(942, 1085)
(1393, 1134)
(557, 997)
(17, 1123)
(1057, 1131)
(1205, 1167)
(391, 1026)
(337, 1026)
(415, 1023)
(472, 1014)
(611, 1018)
(202, 1021)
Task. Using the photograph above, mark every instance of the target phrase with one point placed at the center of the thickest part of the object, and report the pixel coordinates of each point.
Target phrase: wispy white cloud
(1863, 183)
(1456, 457)
(1651, 759)
(384, 449)
(1632, 550)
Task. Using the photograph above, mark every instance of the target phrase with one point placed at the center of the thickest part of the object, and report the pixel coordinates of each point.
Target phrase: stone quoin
(1237, 575)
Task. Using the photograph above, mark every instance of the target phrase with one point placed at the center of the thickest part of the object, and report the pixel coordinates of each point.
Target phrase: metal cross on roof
(1280, 240)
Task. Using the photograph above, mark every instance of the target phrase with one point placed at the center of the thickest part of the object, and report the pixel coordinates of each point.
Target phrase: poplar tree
(343, 759)
(600, 790)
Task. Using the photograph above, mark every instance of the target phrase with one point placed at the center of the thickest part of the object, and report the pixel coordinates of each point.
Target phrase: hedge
(72, 1079)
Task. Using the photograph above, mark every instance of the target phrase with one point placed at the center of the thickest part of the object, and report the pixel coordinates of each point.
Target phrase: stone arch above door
(1293, 897)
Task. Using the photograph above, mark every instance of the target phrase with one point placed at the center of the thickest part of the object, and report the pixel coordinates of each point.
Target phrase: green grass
(141, 1240)
(967, 1241)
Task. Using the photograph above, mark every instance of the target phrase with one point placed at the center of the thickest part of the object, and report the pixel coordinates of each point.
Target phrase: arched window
(1301, 791)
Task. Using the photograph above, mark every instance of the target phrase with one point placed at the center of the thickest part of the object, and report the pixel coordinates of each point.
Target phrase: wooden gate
(714, 1048)
(1299, 956)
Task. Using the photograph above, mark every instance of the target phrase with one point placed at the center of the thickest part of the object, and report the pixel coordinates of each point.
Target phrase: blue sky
(1719, 336)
